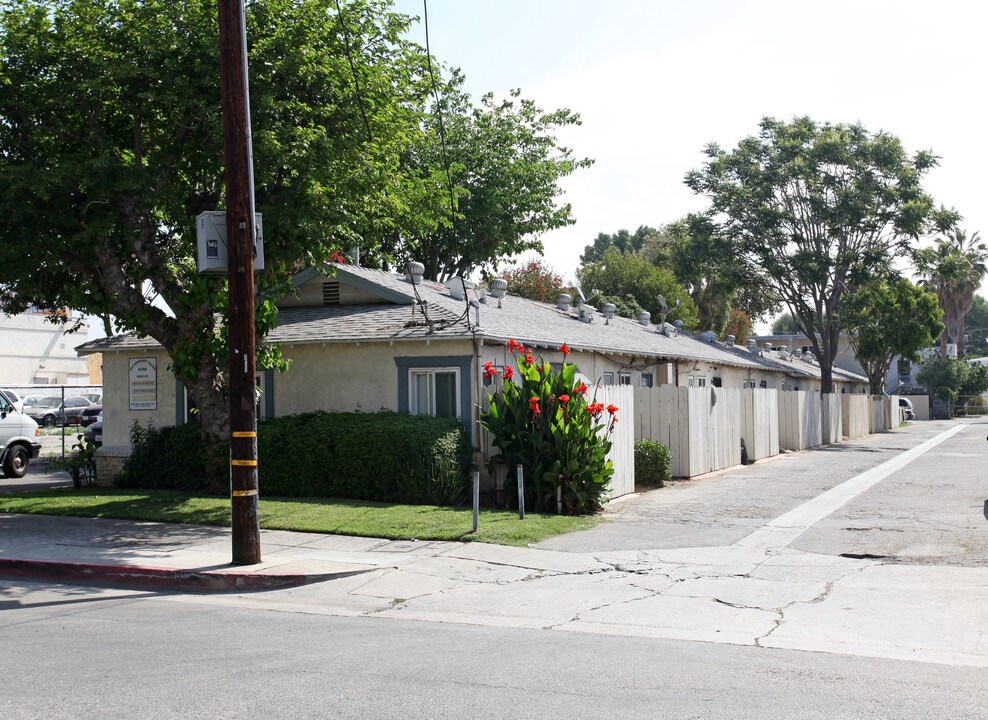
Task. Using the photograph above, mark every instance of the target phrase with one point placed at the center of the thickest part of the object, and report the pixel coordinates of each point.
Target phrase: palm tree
(953, 269)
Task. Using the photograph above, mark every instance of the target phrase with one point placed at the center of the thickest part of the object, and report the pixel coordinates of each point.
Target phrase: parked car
(907, 408)
(94, 432)
(93, 397)
(20, 441)
(90, 415)
(50, 411)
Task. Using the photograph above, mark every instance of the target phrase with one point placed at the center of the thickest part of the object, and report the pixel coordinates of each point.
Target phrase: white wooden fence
(700, 426)
(855, 416)
(760, 422)
(622, 452)
(877, 415)
(830, 406)
(800, 420)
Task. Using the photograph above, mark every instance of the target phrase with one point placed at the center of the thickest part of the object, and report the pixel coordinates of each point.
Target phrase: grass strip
(328, 516)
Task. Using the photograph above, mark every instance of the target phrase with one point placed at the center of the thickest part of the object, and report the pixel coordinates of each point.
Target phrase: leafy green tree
(889, 318)
(953, 269)
(976, 327)
(739, 325)
(819, 209)
(623, 240)
(942, 377)
(785, 324)
(505, 165)
(631, 277)
(111, 143)
(534, 280)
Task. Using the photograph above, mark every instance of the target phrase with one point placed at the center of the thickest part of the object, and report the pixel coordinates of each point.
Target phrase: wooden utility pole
(240, 232)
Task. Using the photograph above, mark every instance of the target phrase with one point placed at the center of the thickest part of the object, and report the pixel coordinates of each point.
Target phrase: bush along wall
(383, 457)
(652, 463)
(541, 420)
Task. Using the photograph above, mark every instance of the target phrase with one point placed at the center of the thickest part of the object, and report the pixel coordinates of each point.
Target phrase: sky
(655, 82)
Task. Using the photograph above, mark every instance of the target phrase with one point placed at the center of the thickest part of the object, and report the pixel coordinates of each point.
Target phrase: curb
(144, 577)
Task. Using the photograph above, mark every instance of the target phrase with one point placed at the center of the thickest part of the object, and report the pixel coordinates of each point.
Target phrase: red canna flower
(581, 389)
(564, 349)
(489, 370)
(515, 345)
(528, 356)
(595, 409)
(564, 399)
(612, 409)
(533, 405)
(508, 372)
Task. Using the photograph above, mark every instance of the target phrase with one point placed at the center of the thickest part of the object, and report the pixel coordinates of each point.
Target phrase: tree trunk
(213, 413)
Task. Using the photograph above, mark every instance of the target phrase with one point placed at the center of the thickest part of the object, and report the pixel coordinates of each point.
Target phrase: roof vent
(730, 340)
(456, 285)
(644, 316)
(587, 312)
(562, 301)
(708, 336)
(499, 288)
(768, 346)
(608, 311)
(678, 324)
(331, 292)
(753, 348)
(415, 271)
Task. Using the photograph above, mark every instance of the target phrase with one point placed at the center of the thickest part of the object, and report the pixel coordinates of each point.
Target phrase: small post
(476, 500)
(64, 422)
(559, 500)
(521, 492)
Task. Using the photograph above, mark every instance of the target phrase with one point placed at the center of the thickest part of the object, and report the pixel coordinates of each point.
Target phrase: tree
(953, 269)
(889, 318)
(627, 279)
(820, 209)
(111, 144)
(739, 325)
(949, 380)
(622, 240)
(785, 324)
(534, 280)
(976, 328)
(505, 166)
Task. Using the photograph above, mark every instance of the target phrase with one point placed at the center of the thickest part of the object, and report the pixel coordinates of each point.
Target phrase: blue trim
(462, 362)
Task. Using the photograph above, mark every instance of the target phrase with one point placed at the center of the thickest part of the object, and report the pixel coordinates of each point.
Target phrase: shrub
(384, 457)
(652, 461)
(543, 422)
(81, 464)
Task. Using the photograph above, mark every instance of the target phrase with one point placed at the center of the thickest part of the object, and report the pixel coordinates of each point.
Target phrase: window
(647, 380)
(748, 384)
(716, 382)
(435, 392)
(763, 384)
(624, 377)
(608, 378)
(701, 382)
(904, 368)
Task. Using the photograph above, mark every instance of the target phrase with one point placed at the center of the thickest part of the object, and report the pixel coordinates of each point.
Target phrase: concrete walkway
(744, 583)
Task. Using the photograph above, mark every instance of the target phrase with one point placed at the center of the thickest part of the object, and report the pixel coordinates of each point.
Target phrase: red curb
(157, 578)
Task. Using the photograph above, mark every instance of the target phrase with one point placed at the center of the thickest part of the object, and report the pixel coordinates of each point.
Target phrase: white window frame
(624, 377)
(431, 373)
(607, 378)
(647, 379)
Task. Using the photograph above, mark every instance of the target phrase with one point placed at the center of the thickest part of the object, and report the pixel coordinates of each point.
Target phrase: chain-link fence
(970, 406)
(61, 411)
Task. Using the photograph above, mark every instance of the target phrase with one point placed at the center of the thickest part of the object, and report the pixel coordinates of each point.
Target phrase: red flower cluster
(564, 399)
(581, 389)
(515, 345)
(612, 409)
(528, 356)
(595, 409)
(338, 257)
(490, 371)
(533, 405)
(508, 372)
(564, 349)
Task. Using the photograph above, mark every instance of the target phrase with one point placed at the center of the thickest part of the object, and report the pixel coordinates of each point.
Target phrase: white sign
(144, 384)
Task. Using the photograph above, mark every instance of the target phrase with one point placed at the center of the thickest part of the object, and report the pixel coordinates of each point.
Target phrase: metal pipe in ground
(521, 492)
(476, 500)
(559, 500)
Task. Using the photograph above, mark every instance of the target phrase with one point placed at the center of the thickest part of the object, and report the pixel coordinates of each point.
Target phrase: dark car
(94, 434)
(90, 415)
(50, 411)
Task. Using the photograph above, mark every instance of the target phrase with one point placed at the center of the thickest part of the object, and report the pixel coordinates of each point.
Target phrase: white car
(20, 440)
(16, 400)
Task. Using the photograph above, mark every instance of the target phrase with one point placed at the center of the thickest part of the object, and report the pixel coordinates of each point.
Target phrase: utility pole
(239, 178)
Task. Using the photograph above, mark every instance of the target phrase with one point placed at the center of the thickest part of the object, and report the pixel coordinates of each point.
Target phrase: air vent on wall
(331, 292)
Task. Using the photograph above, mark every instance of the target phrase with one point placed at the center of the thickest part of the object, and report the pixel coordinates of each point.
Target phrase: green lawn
(336, 517)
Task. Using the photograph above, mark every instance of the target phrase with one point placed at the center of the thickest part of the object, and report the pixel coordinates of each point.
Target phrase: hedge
(384, 457)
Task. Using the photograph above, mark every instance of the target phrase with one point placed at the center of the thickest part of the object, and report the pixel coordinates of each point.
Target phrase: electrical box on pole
(213, 254)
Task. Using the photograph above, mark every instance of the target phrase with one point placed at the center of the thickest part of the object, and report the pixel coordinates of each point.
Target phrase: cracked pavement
(752, 556)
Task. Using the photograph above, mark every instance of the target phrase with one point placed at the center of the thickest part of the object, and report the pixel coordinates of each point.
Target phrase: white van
(20, 441)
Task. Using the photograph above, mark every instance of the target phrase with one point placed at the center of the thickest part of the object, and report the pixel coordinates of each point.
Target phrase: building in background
(36, 351)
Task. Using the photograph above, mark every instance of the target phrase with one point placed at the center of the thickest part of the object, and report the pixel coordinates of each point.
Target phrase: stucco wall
(117, 415)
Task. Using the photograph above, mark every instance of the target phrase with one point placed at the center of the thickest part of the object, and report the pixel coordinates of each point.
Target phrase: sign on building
(144, 384)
